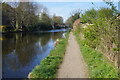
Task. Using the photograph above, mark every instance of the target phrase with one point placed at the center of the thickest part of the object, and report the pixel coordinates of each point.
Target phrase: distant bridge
(59, 26)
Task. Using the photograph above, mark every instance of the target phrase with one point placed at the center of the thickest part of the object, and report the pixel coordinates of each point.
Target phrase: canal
(21, 52)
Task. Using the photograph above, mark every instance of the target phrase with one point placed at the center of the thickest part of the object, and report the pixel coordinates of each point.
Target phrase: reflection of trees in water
(45, 37)
(8, 44)
(56, 35)
(23, 47)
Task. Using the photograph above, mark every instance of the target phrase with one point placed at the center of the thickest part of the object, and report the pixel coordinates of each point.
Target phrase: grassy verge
(48, 67)
(98, 66)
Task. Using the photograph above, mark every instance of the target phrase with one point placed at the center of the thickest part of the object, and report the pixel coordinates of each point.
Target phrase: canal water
(21, 52)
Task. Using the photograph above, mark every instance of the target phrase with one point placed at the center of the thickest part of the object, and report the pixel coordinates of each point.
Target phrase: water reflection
(21, 52)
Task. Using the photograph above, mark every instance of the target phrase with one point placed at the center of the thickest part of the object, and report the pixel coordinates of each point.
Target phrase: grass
(49, 66)
(99, 67)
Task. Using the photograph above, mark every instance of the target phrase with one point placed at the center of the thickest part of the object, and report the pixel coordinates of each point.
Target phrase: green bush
(105, 13)
(104, 27)
(89, 15)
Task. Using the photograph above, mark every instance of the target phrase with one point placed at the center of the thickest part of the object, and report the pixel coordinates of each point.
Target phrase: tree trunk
(17, 26)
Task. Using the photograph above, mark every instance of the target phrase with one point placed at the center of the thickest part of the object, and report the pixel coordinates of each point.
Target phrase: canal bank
(49, 66)
(21, 52)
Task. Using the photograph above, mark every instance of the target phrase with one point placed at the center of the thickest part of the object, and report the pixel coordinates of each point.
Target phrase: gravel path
(73, 65)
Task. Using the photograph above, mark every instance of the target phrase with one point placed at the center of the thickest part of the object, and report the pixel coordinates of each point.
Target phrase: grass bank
(49, 66)
(99, 66)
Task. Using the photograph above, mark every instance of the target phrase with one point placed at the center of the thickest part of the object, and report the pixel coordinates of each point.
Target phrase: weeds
(98, 66)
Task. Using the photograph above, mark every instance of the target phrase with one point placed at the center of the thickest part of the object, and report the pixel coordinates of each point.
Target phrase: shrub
(89, 15)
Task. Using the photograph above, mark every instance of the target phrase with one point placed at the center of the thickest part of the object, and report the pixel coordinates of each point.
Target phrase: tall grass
(98, 65)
